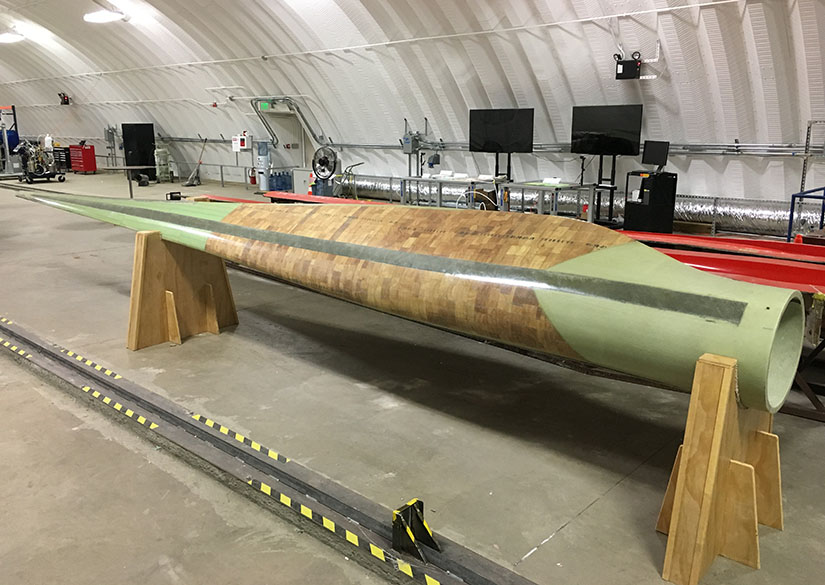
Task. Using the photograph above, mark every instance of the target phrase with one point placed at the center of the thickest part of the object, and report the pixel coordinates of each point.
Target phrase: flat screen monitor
(508, 130)
(607, 130)
(655, 153)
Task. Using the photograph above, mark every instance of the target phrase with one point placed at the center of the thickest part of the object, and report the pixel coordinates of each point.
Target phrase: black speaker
(651, 207)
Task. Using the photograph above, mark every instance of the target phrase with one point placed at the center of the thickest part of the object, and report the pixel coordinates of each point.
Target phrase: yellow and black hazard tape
(240, 438)
(90, 363)
(87, 389)
(397, 513)
(6, 344)
(352, 538)
(13, 348)
(120, 408)
(206, 421)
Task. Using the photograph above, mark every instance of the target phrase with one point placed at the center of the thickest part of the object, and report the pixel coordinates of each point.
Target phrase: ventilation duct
(728, 214)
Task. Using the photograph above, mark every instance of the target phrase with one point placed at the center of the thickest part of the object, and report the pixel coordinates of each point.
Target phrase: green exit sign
(264, 106)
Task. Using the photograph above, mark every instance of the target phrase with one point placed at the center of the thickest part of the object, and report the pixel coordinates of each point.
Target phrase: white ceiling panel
(749, 70)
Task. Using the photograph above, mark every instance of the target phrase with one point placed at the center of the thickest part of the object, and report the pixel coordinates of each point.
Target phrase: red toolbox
(83, 158)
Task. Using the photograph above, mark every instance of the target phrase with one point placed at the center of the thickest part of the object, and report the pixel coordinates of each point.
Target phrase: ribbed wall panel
(750, 70)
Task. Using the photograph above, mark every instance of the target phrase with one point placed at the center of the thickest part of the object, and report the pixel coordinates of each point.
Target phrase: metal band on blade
(702, 306)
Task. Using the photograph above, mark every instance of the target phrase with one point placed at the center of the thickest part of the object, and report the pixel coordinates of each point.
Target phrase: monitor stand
(606, 183)
(509, 166)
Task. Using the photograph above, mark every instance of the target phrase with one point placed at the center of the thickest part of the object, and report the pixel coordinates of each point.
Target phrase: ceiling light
(11, 37)
(103, 16)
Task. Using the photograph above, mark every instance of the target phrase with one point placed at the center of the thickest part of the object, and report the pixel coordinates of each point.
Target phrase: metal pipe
(710, 149)
(767, 150)
(267, 126)
(429, 39)
(367, 146)
(295, 107)
(195, 140)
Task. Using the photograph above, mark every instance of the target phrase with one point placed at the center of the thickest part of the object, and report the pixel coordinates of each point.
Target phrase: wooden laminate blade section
(483, 306)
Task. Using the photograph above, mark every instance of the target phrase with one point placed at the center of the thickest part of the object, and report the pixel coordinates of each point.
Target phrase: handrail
(809, 194)
(808, 191)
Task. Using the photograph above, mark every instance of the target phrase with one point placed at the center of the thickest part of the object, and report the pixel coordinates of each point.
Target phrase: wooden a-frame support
(177, 292)
(725, 480)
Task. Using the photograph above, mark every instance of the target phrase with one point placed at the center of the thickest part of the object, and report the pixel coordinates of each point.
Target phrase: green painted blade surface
(180, 234)
(626, 307)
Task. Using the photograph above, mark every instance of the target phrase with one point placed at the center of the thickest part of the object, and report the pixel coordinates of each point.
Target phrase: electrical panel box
(301, 180)
(411, 143)
(629, 69)
(241, 142)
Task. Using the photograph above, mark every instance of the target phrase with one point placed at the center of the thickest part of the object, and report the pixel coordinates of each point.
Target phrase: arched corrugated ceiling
(732, 69)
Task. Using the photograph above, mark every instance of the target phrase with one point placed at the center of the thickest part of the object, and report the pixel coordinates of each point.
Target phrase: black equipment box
(62, 158)
(628, 69)
(650, 206)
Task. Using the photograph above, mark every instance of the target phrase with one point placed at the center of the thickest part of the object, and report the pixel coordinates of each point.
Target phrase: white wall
(748, 70)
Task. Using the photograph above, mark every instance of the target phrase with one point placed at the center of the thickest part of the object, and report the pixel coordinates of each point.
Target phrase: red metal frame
(221, 199)
(793, 266)
(799, 276)
(296, 198)
(299, 198)
(753, 247)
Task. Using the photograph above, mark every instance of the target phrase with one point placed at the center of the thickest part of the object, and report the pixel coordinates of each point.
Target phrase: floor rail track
(454, 564)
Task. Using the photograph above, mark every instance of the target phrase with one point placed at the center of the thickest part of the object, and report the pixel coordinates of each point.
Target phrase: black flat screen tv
(509, 130)
(606, 130)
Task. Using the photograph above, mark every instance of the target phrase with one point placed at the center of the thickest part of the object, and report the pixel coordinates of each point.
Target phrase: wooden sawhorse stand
(177, 292)
(725, 479)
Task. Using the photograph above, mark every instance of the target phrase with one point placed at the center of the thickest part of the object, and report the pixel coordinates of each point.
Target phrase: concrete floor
(508, 453)
(83, 500)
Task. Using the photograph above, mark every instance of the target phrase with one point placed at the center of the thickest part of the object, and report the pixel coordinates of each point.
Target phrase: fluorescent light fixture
(11, 37)
(35, 33)
(103, 16)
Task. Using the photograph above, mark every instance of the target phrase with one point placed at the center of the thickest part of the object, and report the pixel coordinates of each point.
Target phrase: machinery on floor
(37, 163)
(330, 181)
(325, 163)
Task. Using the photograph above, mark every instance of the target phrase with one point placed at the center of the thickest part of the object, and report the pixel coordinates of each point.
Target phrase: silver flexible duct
(735, 215)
